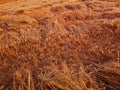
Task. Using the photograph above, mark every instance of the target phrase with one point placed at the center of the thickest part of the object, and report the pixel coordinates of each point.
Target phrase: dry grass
(67, 45)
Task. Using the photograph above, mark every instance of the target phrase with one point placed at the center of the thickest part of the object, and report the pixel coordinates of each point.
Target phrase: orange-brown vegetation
(7, 1)
(60, 45)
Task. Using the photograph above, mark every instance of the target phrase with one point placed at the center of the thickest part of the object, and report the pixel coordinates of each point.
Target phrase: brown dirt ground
(60, 45)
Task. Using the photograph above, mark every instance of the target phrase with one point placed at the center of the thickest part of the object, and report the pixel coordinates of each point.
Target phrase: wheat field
(59, 44)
